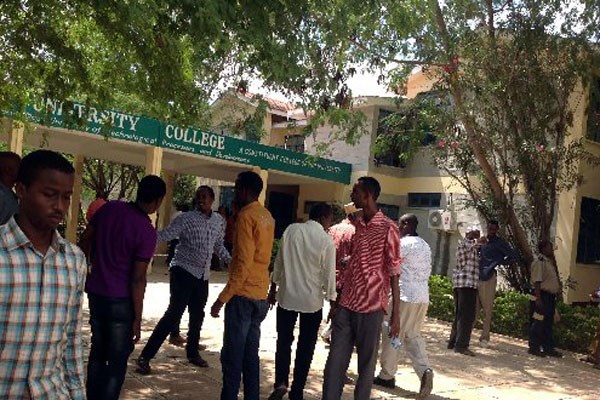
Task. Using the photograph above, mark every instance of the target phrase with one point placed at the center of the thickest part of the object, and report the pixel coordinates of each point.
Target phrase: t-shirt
(123, 234)
(544, 272)
(416, 268)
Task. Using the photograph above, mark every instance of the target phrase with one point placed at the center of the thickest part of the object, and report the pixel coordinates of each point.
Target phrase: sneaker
(465, 352)
(484, 343)
(143, 366)
(537, 353)
(426, 384)
(387, 383)
(178, 340)
(278, 393)
(553, 353)
(198, 361)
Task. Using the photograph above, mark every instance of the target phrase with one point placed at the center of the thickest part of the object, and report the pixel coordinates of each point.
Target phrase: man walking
(364, 299)
(465, 279)
(120, 241)
(414, 301)
(304, 274)
(494, 252)
(9, 168)
(200, 234)
(42, 278)
(544, 277)
(246, 291)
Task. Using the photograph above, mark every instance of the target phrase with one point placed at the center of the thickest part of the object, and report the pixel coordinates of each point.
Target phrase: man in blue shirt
(494, 252)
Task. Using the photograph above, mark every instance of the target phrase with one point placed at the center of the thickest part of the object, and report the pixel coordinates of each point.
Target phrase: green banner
(134, 128)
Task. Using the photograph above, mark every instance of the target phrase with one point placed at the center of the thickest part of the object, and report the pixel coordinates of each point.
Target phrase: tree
(110, 179)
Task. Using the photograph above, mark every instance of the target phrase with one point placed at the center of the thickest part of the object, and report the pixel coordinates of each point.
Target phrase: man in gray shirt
(9, 168)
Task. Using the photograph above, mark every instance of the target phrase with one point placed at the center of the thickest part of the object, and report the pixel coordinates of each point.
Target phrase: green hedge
(511, 316)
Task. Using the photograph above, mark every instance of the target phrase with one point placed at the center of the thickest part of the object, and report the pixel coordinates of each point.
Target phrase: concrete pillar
(165, 210)
(15, 131)
(153, 167)
(73, 217)
(264, 174)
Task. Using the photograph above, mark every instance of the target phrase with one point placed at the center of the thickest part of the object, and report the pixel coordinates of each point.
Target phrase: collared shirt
(8, 204)
(416, 268)
(123, 234)
(252, 246)
(544, 272)
(375, 258)
(304, 269)
(466, 273)
(342, 234)
(199, 237)
(495, 252)
(41, 350)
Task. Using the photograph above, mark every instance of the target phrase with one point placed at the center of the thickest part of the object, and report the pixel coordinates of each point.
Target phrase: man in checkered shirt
(464, 280)
(41, 287)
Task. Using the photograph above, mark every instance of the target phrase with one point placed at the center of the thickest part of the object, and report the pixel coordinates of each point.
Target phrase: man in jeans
(120, 239)
(304, 274)
(246, 291)
(494, 252)
(373, 267)
(200, 234)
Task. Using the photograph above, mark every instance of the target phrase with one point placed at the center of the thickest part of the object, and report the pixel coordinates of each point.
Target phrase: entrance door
(282, 207)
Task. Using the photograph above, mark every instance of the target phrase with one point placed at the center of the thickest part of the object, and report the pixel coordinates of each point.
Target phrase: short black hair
(151, 188)
(9, 155)
(320, 210)
(371, 186)
(493, 222)
(250, 181)
(40, 160)
(210, 190)
(411, 219)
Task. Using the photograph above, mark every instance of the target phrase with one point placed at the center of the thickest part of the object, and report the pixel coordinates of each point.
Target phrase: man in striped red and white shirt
(374, 267)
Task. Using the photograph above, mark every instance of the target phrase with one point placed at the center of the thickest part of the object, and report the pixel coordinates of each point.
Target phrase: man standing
(364, 299)
(414, 301)
(200, 234)
(465, 279)
(493, 253)
(9, 168)
(246, 291)
(304, 273)
(42, 278)
(120, 241)
(544, 277)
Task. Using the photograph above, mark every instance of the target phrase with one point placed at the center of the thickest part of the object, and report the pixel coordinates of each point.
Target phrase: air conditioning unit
(435, 219)
(448, 221)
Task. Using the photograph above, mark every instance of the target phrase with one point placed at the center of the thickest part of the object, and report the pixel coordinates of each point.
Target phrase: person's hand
(332, 310)
(483, 240)
(539, 306)
(271, 298)
(137, 330)
(216, 308)
(395, 326)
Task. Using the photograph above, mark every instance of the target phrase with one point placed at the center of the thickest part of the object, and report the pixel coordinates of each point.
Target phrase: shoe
(387, 383)
(278, 393)
(553, 353)
(143, 366)
(465, 352)
(178, 341)
(198, 361)
(450, 346)
(537, 353)
(202, 347)
(484, 343)
(426, 384)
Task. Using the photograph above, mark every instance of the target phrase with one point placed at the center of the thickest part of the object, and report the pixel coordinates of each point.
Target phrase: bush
(511, 315)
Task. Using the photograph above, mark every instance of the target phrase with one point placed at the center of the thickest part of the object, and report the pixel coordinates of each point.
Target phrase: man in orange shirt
(246, 291)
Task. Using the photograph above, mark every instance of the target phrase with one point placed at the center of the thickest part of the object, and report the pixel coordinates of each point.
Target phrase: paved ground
(503, 371)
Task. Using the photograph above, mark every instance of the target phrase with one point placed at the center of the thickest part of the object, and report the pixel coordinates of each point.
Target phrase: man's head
(365, 191)
(322, 213)
(205, 197)
(492, 228)
(9, 168)
(546, 248)
(472, 232)
(44, 188)
(248, 187)
(101, 194)
(150, 193)
(408, 224)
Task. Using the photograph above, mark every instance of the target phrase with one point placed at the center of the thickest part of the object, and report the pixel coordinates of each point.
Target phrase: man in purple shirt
(120, 241)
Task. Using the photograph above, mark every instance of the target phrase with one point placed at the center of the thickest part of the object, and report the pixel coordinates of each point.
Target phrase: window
(431, 200)
(593, 122)
(390, 211)
(390, 157)
(294, 143)
(588, 244)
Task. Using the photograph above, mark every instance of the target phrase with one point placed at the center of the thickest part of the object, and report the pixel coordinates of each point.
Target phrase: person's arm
(536, 279)
(241, 265)
(393, 259)
(510, 255)
(276, 274)
(87, 240)
(173, 230)
(73, 354)
(395, 317)
(138, 289)
(219, 247)
(328, 271)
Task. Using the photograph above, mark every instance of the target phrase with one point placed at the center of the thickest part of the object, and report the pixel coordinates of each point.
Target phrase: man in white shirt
(414, 301)
(304, 272)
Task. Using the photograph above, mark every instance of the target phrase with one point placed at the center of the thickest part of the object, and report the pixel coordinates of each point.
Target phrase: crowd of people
(373, 271)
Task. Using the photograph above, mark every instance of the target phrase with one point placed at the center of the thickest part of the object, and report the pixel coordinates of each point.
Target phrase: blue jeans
(111, 319)
(239, 355)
